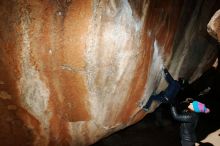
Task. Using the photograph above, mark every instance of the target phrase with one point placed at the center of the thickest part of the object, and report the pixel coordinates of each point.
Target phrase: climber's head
(183, 106)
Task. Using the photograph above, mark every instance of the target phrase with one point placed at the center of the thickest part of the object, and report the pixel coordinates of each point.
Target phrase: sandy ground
(213, 138)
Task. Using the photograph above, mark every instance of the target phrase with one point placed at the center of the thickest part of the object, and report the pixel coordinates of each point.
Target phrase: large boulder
(74, 71)
(213, 26)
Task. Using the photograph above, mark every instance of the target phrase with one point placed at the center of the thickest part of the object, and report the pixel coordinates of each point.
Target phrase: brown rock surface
(213, 26)
(79, 70)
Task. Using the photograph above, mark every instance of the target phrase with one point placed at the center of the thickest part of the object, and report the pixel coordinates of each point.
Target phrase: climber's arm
(167, 75)
(181, 117)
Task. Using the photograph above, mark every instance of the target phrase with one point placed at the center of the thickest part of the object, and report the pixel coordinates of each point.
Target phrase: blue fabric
(159, 98)
(172, 89)
(170, 92)
(173, 86)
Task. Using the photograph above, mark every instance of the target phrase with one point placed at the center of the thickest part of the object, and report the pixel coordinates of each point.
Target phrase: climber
(189, 119)
(169, 94)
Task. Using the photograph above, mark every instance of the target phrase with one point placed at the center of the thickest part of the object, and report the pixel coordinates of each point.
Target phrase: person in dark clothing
(169, 93)
(189, 119)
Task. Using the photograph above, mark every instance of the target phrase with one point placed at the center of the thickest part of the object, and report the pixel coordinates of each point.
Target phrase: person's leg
(149, 102)
(158, 97)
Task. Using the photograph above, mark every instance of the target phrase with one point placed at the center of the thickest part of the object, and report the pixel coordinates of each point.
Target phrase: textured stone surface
(213, 26)
(72, 72)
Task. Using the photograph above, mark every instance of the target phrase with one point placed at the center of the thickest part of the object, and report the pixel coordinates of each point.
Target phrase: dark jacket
(173, 86)
(188, 125)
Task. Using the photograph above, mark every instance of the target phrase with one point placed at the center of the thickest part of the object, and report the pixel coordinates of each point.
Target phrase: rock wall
(213, 26)
(73, 71)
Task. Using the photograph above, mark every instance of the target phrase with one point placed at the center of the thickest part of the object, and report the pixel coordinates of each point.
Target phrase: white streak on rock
(112, 51)
(35, 94)
(154, 74)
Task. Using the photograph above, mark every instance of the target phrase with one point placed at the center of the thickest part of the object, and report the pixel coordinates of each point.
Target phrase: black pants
(187, 143)
(159, 97)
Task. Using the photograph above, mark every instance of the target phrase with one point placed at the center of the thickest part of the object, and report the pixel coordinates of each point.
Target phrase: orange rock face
(74, 71)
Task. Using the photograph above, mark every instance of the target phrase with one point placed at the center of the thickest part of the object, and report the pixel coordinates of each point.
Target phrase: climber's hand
(165, 71)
